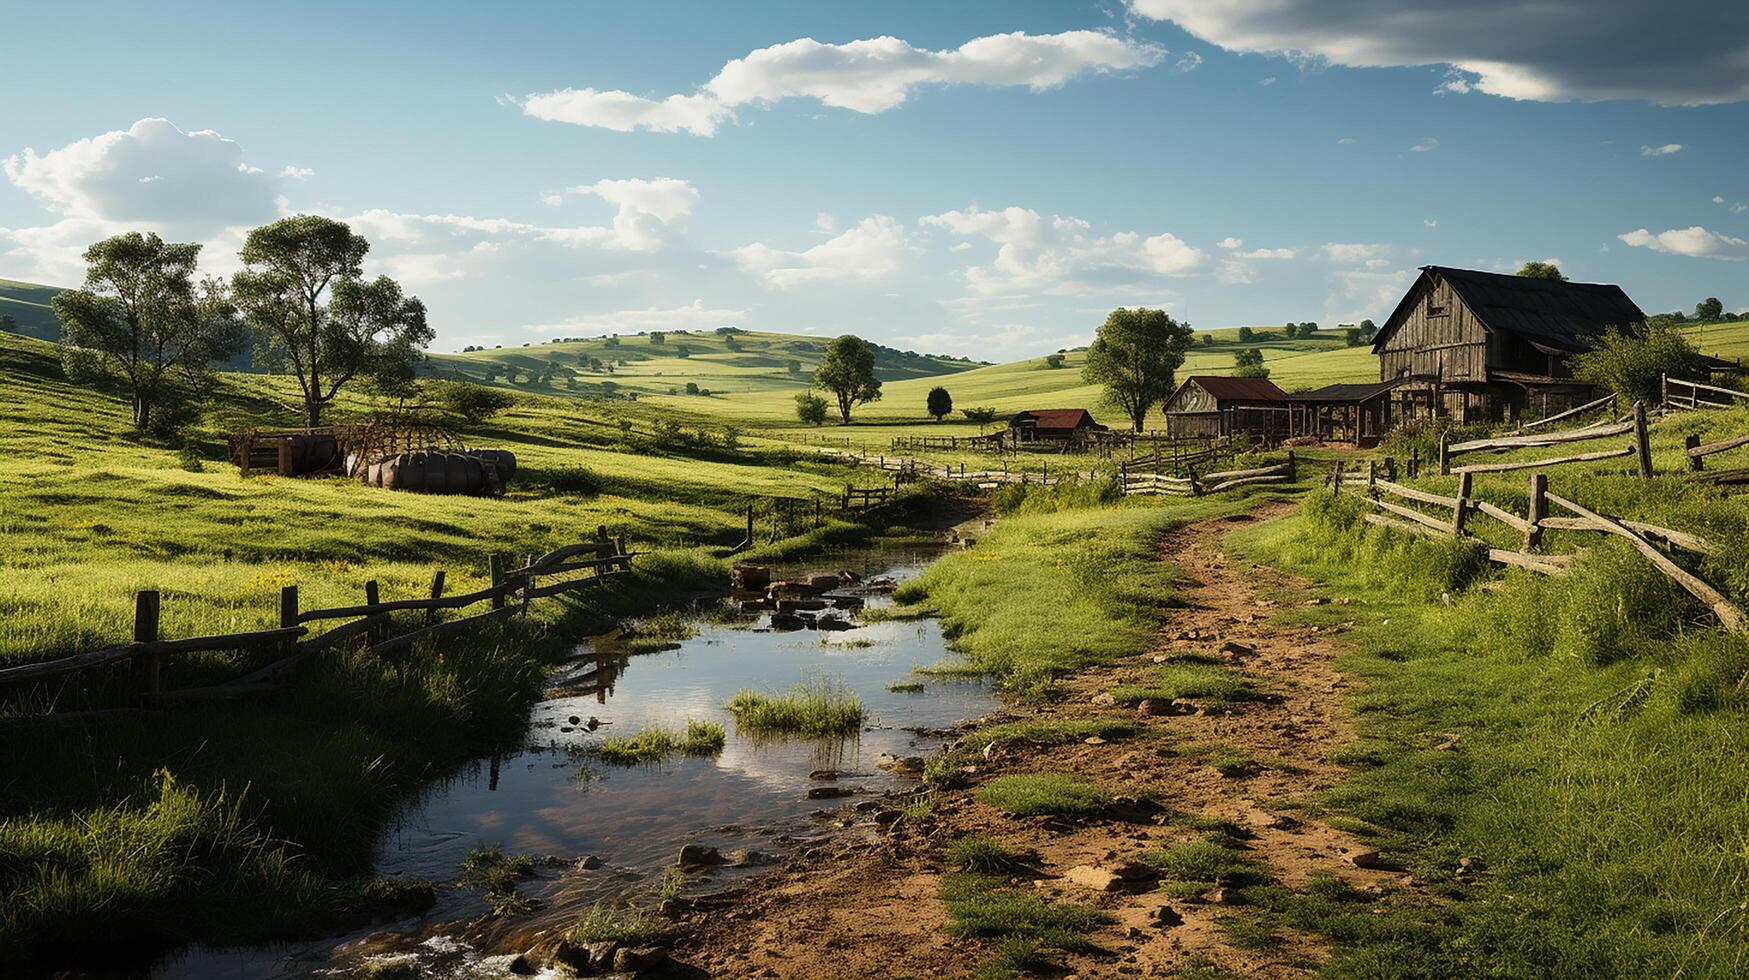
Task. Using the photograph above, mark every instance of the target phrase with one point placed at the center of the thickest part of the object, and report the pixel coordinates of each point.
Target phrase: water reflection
(552, 798)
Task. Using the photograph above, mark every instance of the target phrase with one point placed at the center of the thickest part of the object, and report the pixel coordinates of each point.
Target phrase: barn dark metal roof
(1547, 312)
(1236, 389)
(1057, 418)
(1343, 392)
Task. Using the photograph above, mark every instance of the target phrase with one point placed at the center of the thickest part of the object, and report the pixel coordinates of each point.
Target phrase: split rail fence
(1680, 395)
(1456, 512)
(296, 639)
(1633, 425)
(1195, 485)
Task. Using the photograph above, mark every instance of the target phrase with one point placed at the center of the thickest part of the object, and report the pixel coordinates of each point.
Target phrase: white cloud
(1695, 242)
(1430, 222)
(875, 248)
(1660, 151)
(1426, 144)
(825, 223)
(1683, 53)
(960, 247)
(694, 316)
(1268, 253)
(1350, 253)
(1230, 243)
(1268, 81)
(648, 214)
(1190, 62)
(869, 76)
(1717, 199)
(1061, 255)
(297, 173)
(1346, 141)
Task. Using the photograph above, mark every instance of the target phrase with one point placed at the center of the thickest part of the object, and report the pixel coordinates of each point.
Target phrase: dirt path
(868, 905)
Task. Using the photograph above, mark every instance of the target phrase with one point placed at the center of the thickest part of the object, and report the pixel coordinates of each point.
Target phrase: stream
(556, 801)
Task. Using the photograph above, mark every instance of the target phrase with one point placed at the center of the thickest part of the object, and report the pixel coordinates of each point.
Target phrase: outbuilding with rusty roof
(1208, 405)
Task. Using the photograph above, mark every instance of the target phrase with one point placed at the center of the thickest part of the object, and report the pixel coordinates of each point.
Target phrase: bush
(1616, 604)
(1044, 793)
(810, 408)
(473, 403)
(1630, 364)
(84, 367)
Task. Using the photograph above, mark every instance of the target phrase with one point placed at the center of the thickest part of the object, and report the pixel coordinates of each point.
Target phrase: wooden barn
(1052, 425)
(1483, 346)
(1213, 405)
(1357, 413)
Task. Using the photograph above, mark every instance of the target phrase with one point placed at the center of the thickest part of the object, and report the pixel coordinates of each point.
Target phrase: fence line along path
(1639, 446)
(1195, 485)
(565, 569)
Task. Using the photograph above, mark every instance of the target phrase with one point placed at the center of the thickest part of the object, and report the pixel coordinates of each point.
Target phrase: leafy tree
(847, 371)
(729, 331)
(692, 387)
(141, 311)
(1352, 336)
(1308, 328)
(1248, 363)
(304, 290)
(1709, 310)
(657, 338)
(1054, 361)
(1629, 362)
(612, 341)
(1542, 270)
(794, 367)
(1368, 330)
(810, 408)
(474, 403)
(1208, 340)
(1134, 355)
(982, 415)
(940, 402)
(1290, 330)
(1246, 335)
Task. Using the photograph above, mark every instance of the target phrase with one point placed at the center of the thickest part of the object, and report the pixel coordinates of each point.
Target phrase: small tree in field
(1629, 363)
(304, 291)
(940, 402)
(982, 415)
(1709, 310)
(141, 311)
(810, 408)
(1290, 330)
(1135, 355)
(1208, 340)
(474, 403)
(1542, 270)
(847, 371)
(1368, 330)
(1248, 363)
(1054, 361)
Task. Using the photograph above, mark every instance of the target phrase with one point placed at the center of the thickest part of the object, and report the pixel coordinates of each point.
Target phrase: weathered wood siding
(1192, 399)
(1185, 425)
(1439, 337)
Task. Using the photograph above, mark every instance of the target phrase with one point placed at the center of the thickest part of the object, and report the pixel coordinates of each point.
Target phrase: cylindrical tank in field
(503, 459)
(429, 472)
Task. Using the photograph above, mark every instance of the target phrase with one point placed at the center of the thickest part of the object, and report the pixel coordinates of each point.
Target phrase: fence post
(436, 593)
(1445, 454)
(1372, 473)
(1642, 442)
(1336, 480)
(1692, 442)
(495, 562)
(288, 617)
(371, 594)
(285, 458)
(1292, 467)
(1539, 509)
(1663, 389)
(1461, 509)
(749, 524)
(1195, 484)
(149, 665)
(1391, 468)
(1414, 462)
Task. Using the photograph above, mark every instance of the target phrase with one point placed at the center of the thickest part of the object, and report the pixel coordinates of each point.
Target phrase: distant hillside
(27, 303)
(739, 363)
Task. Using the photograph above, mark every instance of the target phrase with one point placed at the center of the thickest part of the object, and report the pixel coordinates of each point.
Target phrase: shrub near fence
(510, 594)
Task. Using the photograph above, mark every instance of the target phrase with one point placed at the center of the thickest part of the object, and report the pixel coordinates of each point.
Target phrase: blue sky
(985, 179)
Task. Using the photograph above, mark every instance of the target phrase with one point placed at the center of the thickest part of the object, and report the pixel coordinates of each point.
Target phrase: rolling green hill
(27, 303)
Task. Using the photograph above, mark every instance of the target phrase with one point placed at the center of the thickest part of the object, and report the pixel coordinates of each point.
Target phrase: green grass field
(28, 305)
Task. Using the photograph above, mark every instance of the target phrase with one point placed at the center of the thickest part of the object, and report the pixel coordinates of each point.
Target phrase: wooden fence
(1461, 508)
(1680, 395)
(1195, 485)
(295, 639)
(1634, 424)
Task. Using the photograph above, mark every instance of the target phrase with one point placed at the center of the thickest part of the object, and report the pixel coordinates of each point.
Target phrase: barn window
(1433, 308)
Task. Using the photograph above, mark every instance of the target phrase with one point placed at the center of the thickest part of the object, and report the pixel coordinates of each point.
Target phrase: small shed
(1208, 405)
(1052, 425)
(1357, 413)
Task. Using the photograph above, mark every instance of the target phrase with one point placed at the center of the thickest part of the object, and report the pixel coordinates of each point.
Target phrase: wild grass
(984, 856)
(1209, 683)
(1041, 794)
(907, 687)
(983, 907)
(496, 875)
(812, 709)
(1212, 859)
(1596, 772)
(653, 745)
(603, 922)
(1060, 731)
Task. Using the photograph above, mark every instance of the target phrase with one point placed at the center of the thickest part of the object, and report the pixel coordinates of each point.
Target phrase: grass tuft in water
(814, 709)
(602, 922)
(701, 738)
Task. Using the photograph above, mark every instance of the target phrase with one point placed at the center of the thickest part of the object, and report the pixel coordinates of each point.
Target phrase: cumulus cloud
(297, 173)
(1695, 242)
(1686, 52)
(1190, 62)
(873, 249)
(869, 76)
(694, 316)
(1268, 253)
(1660, 151)
(1426, 144)
(1352, 253)
(1230, 243)
(1346, 141)
(1057, 254)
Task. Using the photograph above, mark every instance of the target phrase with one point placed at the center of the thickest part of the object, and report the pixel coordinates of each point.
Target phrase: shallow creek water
(750, 798)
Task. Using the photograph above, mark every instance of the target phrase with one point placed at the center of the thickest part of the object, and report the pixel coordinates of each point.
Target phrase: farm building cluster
(389, 451)
(1462, 345)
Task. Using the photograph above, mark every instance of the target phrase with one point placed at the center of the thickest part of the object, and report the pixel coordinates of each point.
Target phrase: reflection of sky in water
(636, 819)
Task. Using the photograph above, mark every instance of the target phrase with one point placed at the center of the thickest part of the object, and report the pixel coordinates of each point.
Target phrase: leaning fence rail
(296, 638)
(1196, 485)
(1530, 527)
(1680, 395)
(1634, 425)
